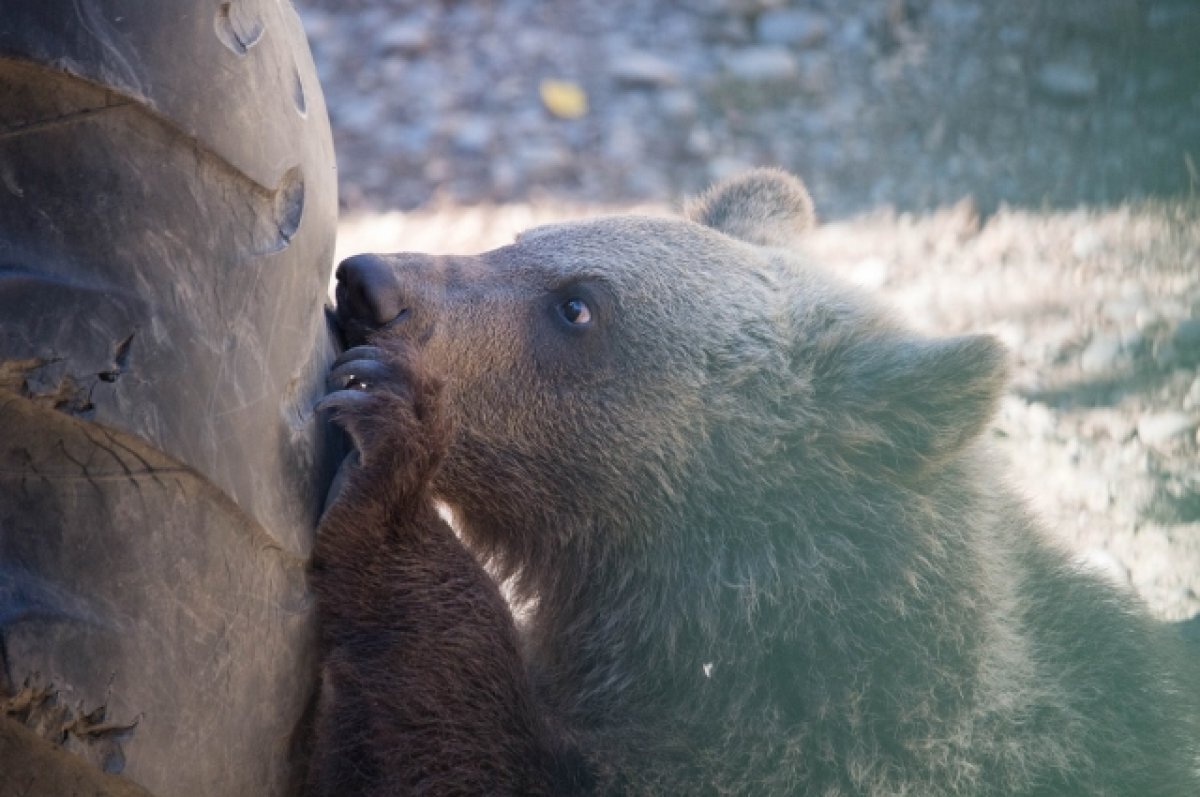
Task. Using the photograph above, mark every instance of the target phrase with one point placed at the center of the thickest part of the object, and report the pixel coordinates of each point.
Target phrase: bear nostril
(368, 290)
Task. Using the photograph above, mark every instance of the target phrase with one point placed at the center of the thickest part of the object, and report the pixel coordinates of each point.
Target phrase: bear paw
(392, 410)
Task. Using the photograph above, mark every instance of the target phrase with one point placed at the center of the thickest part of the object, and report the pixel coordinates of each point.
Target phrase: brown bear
(760, 547)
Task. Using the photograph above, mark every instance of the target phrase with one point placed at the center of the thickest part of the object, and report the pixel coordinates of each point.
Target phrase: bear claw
(360, 353)
(343, 399)
(357, 374)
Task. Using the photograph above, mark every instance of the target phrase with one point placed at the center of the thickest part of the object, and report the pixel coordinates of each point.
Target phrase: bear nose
(368, 291)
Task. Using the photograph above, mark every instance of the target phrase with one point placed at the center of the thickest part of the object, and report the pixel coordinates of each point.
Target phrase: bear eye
(576, 311)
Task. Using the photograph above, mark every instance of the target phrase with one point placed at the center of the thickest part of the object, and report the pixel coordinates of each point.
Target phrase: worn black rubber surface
(167, 215)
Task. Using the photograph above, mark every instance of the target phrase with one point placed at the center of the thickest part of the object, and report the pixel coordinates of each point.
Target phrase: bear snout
(369, 296)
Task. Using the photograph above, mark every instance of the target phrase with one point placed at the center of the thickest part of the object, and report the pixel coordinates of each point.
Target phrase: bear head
(619, 383)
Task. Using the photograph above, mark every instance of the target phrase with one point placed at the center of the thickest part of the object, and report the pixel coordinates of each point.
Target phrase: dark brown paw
(391, 409)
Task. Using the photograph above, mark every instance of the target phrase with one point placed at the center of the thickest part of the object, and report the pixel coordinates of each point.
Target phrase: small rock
(471, 135)
(623, 142)
(1097, 494)
(1086, 243)
(543, 159)
(871, 273)
(1191, 400)
(748, 7)
(1147, 318)
(761, 65)
(362, 116)
(678, 104)
(792, 26)
(1163, 16)
(644, 70)
(727, 29)
(1101, 354)
(700, 143)
(853, 34)
(817, 73)
(1012, 36)
(1040, 421)
(1099, 424)
(1068, 81)
(1187, 341)
(1160, 427)
(404, 36)
(1165, 354)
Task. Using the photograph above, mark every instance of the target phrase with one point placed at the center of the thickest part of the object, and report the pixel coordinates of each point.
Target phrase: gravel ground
(907, 103)
(1026, 169)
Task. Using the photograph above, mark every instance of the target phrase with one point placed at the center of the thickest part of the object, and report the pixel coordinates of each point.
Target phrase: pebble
(404, 36)
(471, 135)
(817, 73)
(678, 105)
(748, 7)
(542, 159)
(1165, 353)
(1096, 492)
(1164, 15)
(1146, 318)
(624, 142)
(1040, 421)
(644, 70)
(1106, 424)
(791, 26)
(1157, 428)
(1086, 244)
(360, 117)
(1101, 355)
(1068, 81)
(1191, 400)
(1186, 339)
(761, 65)
(700, 143)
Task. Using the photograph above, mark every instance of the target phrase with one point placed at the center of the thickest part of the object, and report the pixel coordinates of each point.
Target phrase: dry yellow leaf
(564, 99)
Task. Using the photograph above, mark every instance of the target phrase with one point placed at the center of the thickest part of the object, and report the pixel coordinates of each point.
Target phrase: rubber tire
(167, 218)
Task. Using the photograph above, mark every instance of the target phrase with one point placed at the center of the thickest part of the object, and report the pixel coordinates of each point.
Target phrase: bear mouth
(348, 331)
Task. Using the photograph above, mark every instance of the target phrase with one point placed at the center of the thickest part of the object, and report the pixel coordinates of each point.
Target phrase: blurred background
(1028, 169)
(907, 103)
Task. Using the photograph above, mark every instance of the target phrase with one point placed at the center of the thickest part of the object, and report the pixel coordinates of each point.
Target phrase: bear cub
(759, 545)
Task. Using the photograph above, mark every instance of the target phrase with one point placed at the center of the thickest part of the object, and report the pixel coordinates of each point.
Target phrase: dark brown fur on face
(761, 547)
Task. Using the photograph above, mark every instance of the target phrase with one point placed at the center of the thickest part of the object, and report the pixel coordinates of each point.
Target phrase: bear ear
(910, 405)
(768, 207)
